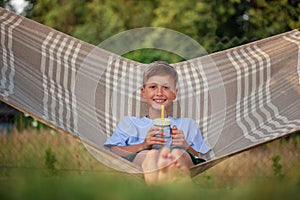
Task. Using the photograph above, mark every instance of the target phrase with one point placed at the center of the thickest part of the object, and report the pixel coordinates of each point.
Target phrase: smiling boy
(134, 137)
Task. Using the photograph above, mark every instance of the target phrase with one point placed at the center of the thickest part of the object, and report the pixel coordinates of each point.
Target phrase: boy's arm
(150, 140)
(127, 150)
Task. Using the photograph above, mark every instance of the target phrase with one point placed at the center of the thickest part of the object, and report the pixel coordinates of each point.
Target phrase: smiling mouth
(159, 101)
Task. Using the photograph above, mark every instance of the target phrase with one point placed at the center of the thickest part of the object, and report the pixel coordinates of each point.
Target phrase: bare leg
(140, 157)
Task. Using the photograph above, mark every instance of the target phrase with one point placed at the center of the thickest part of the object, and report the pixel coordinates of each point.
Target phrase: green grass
(40, 165)
(33, 185)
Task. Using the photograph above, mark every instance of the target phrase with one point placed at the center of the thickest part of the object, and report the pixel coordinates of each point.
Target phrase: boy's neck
(153, 114)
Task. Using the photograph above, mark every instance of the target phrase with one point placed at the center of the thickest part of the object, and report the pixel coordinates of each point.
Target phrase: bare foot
(171, 168)
(166, 164)
(161, 168)
(149, 167)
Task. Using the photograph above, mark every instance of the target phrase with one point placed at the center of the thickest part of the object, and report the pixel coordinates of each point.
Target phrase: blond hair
(159, 68)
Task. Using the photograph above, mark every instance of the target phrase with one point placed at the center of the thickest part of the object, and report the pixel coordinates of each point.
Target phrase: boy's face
(158, 90)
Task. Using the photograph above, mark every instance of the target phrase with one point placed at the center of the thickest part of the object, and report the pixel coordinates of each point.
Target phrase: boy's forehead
(161, 80)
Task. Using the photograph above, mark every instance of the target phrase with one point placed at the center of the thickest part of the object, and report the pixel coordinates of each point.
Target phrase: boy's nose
(159, 90)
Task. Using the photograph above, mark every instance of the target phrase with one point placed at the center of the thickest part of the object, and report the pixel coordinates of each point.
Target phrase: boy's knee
(151, 153)
(180, 153)
(183, 157)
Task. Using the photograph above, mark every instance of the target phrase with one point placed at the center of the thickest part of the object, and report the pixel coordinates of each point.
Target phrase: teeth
(159, 101)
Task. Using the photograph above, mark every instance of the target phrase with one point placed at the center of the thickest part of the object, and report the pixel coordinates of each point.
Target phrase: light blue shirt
(133, 130)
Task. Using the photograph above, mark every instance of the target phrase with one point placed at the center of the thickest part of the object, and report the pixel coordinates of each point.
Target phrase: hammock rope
(242, 97)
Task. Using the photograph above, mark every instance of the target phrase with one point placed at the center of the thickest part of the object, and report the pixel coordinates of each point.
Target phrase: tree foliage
(273, 17)
(216, 24)
(6, 4)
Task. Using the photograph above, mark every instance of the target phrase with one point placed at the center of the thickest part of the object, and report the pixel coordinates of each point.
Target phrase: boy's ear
(175, 94)
(143, 92)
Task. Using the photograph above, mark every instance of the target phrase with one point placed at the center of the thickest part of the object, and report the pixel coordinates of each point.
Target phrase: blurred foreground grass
(48, 165)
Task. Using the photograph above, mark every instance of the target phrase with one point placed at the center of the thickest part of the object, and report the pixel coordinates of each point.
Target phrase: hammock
(242, 97)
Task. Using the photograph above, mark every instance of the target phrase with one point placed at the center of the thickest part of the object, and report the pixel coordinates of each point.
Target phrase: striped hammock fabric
(241, 97)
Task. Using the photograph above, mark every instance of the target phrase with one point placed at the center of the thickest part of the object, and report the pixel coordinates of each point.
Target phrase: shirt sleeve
(196, 140)
(120, 135)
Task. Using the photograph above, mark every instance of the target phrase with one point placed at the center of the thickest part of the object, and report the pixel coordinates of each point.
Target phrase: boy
(134, 137)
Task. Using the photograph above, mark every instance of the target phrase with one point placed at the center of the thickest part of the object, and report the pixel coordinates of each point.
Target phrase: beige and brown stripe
(241, 97)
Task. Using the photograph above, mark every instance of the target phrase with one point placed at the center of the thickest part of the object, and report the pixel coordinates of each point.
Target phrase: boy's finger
(155, 128)
(174, 131)
(159, 140)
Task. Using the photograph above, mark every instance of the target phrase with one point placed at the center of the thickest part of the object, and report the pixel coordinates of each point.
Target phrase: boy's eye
(155, 87)
(152, 86)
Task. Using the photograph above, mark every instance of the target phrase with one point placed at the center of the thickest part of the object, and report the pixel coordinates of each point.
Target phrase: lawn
(49, 165)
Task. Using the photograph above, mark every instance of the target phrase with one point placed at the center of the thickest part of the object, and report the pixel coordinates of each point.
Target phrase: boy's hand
(151, 138)
(178, 138)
